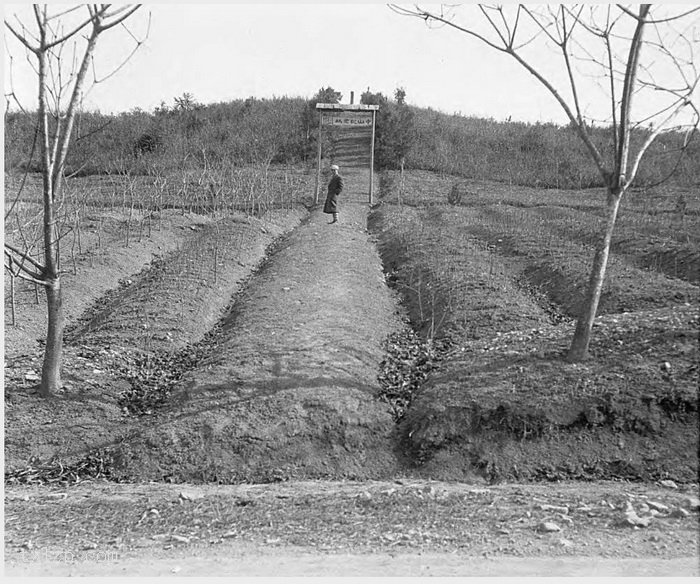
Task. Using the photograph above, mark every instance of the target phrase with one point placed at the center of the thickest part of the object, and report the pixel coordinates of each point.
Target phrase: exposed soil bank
(630, 412)
(291, 389)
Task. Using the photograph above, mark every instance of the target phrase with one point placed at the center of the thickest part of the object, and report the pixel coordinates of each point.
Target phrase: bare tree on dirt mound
(63, 43)
(641, 56)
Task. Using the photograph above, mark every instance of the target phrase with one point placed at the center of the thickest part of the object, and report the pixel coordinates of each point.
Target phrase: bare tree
(60, 93)
(639, 56)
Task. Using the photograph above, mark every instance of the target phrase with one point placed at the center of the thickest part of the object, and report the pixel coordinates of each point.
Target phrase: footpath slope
(290, 390)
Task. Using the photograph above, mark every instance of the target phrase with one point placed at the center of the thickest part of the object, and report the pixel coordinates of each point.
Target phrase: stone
(692, 503)
(548, 527)
(631, 519)
(680, 513)
(190, 496)
(556, 508)
(657, 506)
(566, 519)
(58, 496)
(668, 483)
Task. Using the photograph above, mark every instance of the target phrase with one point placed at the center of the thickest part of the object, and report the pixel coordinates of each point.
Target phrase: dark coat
(335, 187)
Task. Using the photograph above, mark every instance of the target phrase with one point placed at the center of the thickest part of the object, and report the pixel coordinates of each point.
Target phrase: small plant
(455, 195)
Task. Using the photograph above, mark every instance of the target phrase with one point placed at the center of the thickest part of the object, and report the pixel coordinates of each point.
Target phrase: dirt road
(405, 527)
(238, 561)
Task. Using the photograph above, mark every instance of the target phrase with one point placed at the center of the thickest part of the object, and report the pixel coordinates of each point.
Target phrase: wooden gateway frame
(346, 116)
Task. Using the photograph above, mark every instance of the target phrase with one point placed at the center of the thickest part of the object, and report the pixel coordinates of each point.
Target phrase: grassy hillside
(284, 130)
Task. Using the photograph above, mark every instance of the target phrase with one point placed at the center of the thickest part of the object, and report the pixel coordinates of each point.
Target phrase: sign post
(347, 116)
(318, 163)
(371, 159)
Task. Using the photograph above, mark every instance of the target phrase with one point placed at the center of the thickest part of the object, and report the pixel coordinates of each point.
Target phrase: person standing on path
(335, 187)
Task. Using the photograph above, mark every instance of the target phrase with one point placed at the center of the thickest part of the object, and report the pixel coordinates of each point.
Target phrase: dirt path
(238, 561)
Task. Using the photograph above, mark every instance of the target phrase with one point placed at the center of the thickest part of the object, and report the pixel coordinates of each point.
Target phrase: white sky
(225, 51)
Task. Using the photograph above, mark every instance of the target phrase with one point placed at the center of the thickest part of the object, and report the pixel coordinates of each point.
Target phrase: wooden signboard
(347, 116)
(347, 119)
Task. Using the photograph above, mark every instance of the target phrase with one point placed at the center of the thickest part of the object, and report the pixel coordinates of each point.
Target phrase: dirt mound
(181, 295)
(291, 388)
(452, 285)
(105, 261)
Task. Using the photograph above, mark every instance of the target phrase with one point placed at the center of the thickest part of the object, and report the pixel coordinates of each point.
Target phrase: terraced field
(216, 343)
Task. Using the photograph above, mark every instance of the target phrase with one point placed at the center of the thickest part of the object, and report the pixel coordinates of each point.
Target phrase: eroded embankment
(291, 389)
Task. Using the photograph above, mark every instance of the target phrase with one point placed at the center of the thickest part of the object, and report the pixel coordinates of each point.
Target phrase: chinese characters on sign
(347, 119)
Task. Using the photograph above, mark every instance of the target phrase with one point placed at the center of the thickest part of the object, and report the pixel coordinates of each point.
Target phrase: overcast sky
(220, 52)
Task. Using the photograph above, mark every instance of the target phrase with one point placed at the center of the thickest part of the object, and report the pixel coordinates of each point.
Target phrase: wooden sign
(348, 116)
(347, 119)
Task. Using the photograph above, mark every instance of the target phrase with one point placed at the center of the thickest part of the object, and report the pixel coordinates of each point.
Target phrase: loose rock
(548, 527)
(556, 508)
(657, 506)
(692, 503)
(190, 496)
(631, 519)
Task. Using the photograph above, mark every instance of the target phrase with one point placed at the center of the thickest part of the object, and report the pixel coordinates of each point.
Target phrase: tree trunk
(578, 351)
(51, 369)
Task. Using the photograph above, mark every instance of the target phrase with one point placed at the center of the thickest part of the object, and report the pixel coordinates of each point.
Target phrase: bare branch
(119, 20)
(67, 11)
(20, 271)
(25, 256)
(493, 24)
(24, 176)
(660, 128)
(427, 16)
(129, 56)
(656, 21)
(65, 37)
(21, 38)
